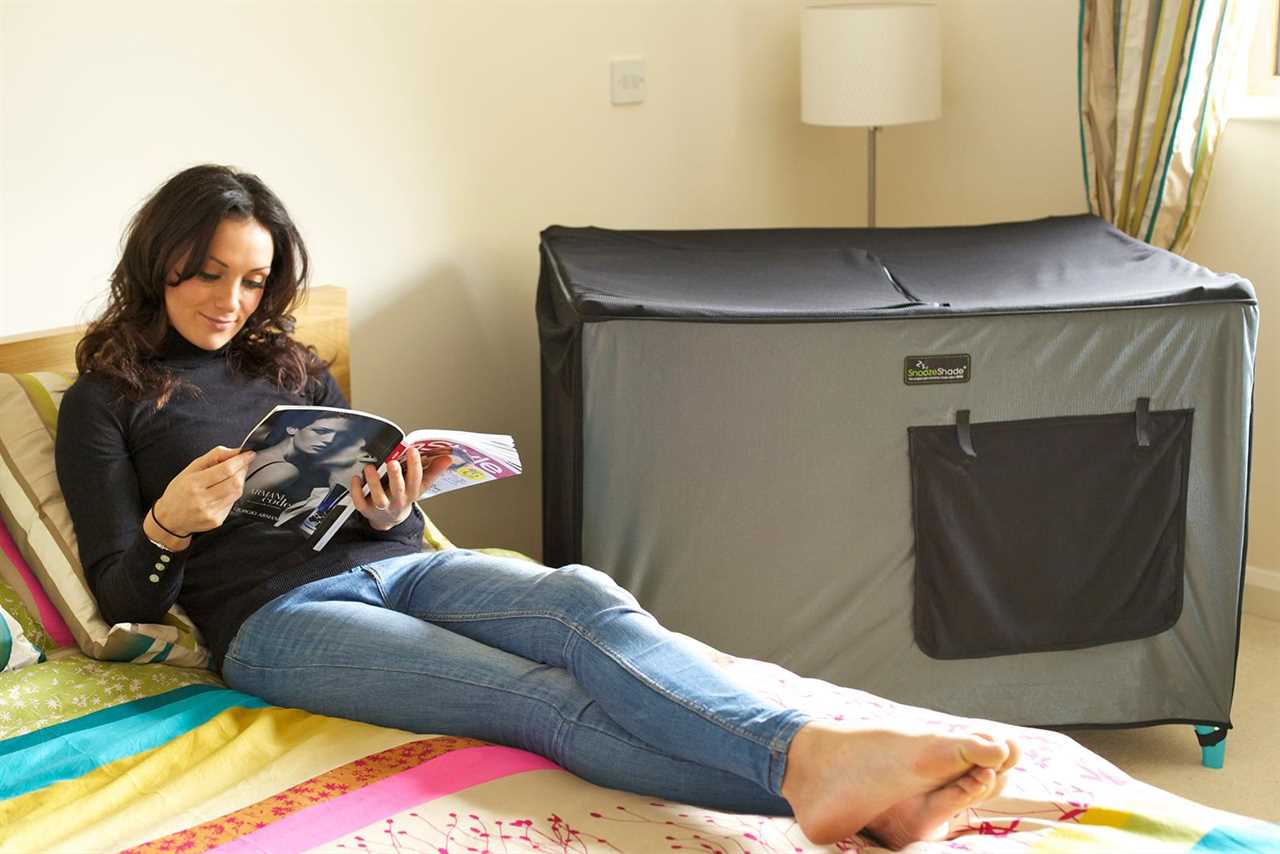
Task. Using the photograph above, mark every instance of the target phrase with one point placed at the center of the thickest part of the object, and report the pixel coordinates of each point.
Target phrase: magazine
(306, 456)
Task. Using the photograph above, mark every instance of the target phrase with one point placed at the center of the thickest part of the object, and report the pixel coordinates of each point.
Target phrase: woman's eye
(255, 284)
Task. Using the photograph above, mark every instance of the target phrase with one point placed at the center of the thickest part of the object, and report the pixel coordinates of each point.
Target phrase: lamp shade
(870, 64)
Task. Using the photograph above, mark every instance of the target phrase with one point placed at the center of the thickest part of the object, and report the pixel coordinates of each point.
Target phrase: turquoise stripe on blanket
(1247, 838)
(74, 748)
(103, 717)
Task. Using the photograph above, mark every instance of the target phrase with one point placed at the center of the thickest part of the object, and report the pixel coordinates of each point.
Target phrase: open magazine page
(306, 456)
(476, 458)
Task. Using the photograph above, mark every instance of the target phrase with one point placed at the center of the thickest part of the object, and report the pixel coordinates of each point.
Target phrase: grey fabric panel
(750, 483)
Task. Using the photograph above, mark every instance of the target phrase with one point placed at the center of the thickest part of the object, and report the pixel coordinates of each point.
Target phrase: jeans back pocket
(1048, 533)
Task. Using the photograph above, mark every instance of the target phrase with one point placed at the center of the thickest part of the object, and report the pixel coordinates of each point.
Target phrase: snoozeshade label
(926, 370)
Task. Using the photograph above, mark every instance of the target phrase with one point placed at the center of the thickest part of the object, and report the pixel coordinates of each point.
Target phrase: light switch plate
(627, 81)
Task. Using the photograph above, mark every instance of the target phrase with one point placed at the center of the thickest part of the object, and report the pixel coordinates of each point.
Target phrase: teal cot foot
(1213, 745)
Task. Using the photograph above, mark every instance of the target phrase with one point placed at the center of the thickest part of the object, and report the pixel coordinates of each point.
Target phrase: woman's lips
(219, 324)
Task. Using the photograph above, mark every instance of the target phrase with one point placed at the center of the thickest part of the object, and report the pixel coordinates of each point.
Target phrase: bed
(151, 752)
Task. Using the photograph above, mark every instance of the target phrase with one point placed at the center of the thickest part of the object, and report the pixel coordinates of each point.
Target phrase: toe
(985, 776)
(998, 786)
(978, 784)
(984, 751)
(1015, 753)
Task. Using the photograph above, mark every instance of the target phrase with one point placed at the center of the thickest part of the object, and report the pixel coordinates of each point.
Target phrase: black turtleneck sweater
(115, 457)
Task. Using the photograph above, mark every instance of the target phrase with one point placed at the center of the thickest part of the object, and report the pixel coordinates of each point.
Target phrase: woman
(194, 348)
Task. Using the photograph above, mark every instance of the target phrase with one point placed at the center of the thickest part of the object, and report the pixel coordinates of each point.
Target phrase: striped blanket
(98, 756)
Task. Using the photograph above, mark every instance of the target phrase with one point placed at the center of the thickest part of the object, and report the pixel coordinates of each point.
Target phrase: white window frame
(1257, 85)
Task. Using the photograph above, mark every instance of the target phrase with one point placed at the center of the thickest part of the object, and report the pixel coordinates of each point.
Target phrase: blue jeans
(562, 662)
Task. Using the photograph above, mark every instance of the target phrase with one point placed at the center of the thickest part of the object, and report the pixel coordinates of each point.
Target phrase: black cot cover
(1062, 263)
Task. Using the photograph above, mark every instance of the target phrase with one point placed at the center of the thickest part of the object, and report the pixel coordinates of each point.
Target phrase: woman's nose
(228, 296)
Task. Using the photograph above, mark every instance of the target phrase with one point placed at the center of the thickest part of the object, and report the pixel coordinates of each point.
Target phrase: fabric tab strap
(1144, 422)
(1212, 735)
(964, 434)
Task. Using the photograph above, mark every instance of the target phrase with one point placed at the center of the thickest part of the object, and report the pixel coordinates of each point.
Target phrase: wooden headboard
(322, 321)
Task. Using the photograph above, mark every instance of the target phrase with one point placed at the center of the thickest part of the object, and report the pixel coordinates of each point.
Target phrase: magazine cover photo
(305, 460)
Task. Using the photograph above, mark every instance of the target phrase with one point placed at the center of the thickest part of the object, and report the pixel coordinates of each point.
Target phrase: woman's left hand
(387, 507)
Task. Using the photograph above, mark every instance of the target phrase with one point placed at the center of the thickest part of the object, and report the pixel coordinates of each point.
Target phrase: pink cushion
(49, 617)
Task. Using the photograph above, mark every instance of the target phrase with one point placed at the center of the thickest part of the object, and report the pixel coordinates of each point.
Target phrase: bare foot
(929, 816)
(841, 779)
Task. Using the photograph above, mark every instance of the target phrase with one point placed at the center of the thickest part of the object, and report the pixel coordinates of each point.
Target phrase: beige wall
(1008, 144)
(423, 145)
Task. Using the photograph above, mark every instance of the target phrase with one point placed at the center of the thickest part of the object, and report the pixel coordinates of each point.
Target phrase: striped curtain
(1153, 82)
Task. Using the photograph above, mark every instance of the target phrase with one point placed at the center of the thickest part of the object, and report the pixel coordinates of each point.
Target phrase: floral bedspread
(109, 757)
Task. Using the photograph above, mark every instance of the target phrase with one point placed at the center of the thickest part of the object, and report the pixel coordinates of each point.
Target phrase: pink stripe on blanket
(49, 616)
(435, 778)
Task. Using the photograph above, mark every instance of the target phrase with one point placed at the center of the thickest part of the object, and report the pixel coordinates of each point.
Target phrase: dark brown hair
(180, 219)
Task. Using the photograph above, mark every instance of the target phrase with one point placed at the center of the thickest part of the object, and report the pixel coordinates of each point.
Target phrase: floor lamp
(870, 65)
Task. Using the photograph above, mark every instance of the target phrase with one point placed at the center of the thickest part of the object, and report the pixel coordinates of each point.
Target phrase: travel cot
(1000, 471)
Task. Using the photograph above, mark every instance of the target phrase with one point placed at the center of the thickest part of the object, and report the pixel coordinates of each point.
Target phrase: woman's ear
(291, 430)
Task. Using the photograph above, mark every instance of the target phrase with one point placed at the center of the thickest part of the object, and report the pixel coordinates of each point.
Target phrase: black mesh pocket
(1050, 533)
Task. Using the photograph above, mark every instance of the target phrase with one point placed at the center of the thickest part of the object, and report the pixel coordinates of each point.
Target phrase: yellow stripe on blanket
(235, 759)
(330, 785)
(1117, 830)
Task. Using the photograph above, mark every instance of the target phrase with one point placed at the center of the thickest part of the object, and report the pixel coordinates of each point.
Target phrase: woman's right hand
(200, 496)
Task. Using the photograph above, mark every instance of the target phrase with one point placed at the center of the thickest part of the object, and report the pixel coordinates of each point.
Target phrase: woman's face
(211, 307)
(318, 436)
